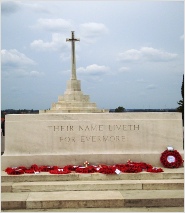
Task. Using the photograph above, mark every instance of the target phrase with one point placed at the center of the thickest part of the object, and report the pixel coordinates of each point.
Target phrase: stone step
(177, 184)
(92, 199)
(46, 176)
(137, 209)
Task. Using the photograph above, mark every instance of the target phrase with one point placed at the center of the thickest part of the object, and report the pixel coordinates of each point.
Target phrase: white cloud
(152, 54)
(57, 43)
(130, 55)
(36, 74)
(91, 32)
(38, 8)
(146, 54)
(93, 69)
(54, 25)
(124, 69)
(15, 58)
(17, 64)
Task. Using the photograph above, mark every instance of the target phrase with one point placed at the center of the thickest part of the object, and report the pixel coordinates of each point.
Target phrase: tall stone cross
(73, 59)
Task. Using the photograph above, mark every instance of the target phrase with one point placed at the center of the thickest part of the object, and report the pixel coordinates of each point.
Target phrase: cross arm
(75, 39)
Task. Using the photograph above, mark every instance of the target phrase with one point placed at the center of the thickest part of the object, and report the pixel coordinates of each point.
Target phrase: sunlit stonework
(73, 100)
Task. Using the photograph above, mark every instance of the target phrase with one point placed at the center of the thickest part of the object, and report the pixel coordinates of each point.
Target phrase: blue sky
(130, 53)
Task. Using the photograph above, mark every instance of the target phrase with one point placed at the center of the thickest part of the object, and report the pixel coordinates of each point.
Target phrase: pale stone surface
(98, 185)
(140, 194)
(14, 201)
(45, 176)
(11, 197)
(155, 198)
(77, 186)
(75, 195)
(66, 200)
(138, 209)
(73, 100)
(92, 199)
(73, 57)
(6, 186)
(100, 138)
(163, 184)
(74, 199)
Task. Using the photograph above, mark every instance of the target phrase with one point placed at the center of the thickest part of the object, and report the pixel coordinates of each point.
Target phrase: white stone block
(109, 138)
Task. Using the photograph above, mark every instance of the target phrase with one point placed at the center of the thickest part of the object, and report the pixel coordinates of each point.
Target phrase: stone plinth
(100, 138)
(73, 101)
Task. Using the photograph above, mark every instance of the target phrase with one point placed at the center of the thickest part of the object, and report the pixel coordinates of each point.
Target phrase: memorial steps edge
(141, 209)
(57, 159)
(92, 199)
(46, 176)
(83, 192)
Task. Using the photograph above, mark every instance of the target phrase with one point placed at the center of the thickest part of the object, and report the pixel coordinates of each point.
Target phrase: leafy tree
(120, 109)
(181, 102)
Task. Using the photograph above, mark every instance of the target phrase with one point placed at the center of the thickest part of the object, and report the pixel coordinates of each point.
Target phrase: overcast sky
(130, 53)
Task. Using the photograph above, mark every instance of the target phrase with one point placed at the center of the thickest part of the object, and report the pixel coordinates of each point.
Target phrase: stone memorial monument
(63, 136)
(73, 100)
(100, 138)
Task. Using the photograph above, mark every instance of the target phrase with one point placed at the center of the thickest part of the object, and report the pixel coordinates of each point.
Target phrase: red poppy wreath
(171, 159)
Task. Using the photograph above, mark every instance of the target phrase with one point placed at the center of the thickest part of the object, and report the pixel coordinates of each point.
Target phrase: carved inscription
(102, 138)
(96, 128)
(61, 128)
(91, 128)
(67, 139)
(107, 133)
(123, 127)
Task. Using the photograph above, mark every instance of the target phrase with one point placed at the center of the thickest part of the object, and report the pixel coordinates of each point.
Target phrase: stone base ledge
(73, 110)
(78, 159)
